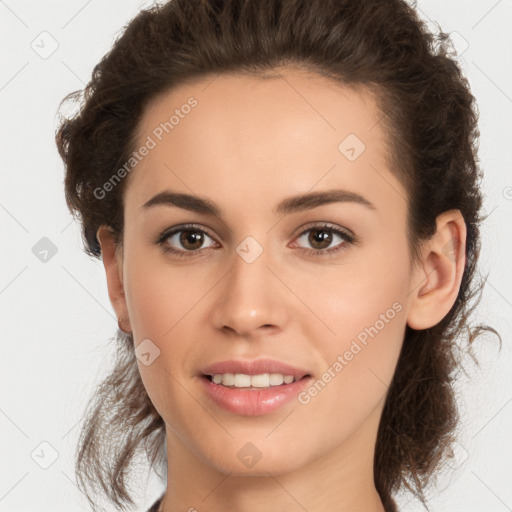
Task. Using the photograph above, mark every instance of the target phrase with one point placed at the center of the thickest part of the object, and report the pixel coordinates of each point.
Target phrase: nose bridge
(250, 297)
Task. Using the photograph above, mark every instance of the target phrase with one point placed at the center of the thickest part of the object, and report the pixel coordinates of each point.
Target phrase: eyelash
(348, 240)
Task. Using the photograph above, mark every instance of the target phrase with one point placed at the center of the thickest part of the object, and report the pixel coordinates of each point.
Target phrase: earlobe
(113, 271)
(437, 279)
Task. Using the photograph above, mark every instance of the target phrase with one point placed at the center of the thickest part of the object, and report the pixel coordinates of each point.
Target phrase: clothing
(155, 505)
(391, 506)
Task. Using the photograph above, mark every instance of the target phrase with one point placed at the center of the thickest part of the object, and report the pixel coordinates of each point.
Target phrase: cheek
(365, 311)
(368, 289)
(360, 360)
(161, 303)
(159, 296)
(363, 326)
(165, 306)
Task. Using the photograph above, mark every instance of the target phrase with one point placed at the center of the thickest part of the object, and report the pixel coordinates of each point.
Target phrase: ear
(112, 261)
(439, 274)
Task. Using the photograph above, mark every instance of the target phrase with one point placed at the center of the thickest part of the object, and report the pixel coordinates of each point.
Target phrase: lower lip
(254, 401)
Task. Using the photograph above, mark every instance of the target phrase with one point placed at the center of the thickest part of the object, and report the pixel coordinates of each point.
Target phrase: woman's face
(297, 254)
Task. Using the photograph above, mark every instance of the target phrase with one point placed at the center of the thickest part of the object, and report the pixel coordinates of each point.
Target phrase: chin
(257, 459)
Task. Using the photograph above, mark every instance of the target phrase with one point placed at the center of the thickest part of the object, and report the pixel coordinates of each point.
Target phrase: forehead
(242, 138)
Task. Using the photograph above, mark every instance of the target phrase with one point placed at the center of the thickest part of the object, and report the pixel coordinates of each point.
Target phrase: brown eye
(185, 239)
(191, 239)
(320, 239)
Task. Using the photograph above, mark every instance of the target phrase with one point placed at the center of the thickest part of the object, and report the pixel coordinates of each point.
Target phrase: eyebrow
(289, 205)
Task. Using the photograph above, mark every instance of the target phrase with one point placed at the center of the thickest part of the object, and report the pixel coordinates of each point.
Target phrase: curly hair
(431, 118)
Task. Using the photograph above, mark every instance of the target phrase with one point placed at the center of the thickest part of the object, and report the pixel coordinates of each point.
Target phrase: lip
(255, 367)
(255, 401)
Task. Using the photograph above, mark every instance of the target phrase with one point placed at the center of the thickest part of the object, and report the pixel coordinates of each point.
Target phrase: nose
(251, 300)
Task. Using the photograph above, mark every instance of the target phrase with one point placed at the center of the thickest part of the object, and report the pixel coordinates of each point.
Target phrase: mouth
(253, 387)
(253, 374)
(253, 395)
(253, 382)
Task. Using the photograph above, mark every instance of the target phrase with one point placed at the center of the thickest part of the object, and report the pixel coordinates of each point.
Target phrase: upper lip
(254, 367)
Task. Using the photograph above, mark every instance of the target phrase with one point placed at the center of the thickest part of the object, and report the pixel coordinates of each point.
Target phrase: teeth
(240, 380)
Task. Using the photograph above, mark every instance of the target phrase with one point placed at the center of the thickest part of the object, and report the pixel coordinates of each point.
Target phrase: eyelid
(346, 235)
(166, 233)
(326, 225)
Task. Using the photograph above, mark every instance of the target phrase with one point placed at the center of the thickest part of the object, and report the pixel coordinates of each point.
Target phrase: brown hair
(431, 119)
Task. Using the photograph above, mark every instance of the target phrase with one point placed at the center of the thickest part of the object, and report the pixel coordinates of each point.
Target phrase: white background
(56, 316)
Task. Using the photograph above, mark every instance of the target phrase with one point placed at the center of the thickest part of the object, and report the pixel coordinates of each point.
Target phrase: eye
(190, 240)
(321, 237)
(181, 240)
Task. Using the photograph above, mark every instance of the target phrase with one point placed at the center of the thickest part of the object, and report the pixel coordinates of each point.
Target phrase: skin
(249, 144)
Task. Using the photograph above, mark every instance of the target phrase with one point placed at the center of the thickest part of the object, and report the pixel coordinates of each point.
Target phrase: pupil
(190, 238)
(322, 237)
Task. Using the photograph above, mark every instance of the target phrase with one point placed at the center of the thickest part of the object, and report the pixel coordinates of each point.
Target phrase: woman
(286, 200)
